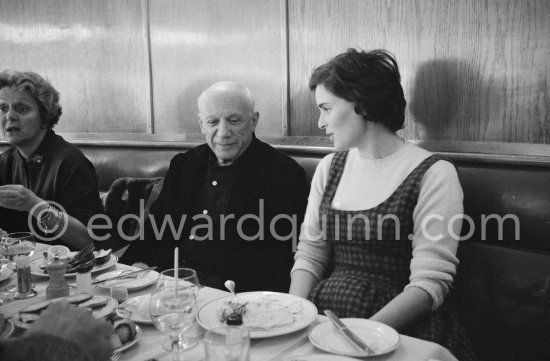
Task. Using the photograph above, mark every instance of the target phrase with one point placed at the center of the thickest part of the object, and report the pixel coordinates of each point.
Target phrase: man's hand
(77, 325)
(18, 197)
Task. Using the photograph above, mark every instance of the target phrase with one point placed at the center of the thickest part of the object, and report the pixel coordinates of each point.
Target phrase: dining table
(294, 346)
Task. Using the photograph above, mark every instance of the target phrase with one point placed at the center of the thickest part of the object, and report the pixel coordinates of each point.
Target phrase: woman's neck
(27, 148)
(379, 142)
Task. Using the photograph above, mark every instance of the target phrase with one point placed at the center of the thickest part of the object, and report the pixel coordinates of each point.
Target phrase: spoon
(230, 285)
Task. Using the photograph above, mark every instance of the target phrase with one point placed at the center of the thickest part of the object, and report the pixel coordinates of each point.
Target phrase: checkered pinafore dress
(372, 263)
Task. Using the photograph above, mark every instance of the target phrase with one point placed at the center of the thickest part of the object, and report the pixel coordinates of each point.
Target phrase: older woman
(46, 184)
(380, 234)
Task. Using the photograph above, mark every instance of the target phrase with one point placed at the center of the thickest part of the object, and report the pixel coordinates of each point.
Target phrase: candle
(176, 269)
(176, 260)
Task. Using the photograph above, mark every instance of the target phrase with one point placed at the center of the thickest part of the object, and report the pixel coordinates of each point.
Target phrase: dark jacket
(263, 263)
(56, 171)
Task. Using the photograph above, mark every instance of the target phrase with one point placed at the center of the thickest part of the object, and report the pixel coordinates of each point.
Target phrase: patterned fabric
(372, 252)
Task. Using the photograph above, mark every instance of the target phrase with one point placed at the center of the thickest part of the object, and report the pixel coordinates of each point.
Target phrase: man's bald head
(228, 120)
(235, 94)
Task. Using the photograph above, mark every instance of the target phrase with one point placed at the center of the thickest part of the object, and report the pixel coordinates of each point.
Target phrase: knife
(348, 334)
(125, 275)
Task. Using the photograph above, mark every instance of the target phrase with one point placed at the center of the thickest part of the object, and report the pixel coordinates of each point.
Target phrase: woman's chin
(11, 139)
(338, 146)
(342, 147)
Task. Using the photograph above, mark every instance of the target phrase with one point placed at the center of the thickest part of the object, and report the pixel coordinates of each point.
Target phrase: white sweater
(366, 183)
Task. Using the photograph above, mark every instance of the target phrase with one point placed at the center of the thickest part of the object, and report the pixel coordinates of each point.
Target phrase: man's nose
(224, 129)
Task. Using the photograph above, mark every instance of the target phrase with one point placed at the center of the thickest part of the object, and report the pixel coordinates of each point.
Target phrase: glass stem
(175, 348)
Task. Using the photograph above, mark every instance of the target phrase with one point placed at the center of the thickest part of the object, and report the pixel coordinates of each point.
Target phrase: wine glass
(173, 307)
(17, 244)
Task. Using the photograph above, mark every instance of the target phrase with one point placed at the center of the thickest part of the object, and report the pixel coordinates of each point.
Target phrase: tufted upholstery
(489, 188)
(112, 163)
(504, 296)
(503, 286)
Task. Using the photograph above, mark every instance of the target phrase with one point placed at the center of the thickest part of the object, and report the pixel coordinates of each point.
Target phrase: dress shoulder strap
(411, 184)
(334, 176)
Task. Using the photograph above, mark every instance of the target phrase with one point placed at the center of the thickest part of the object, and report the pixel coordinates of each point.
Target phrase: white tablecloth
(269, 349)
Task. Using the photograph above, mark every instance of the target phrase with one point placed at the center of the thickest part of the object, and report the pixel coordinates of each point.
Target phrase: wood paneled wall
(195, 43)
(93, 52)
(472, 70)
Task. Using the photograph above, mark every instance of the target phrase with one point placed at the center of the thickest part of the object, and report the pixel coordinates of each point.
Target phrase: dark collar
(247, 173)
(39, 155)
(244, 160)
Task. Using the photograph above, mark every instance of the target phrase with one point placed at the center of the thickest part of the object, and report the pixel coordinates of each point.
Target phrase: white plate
(137, 309)
(129, 344)
(319, 358)
(8, 330)
(380, 337)
(142, 280)
(37, 271)
(267, 314)
(40, 306)
(24, 320)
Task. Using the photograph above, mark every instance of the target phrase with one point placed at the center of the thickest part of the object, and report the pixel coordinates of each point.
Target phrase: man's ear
(255, 118)
(200, 122)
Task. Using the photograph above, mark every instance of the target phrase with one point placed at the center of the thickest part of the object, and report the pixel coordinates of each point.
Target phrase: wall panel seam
(285, 89)
(149, 63)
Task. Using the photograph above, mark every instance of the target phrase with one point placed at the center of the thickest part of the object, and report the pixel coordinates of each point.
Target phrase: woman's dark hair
(370, 80)
(43, 93)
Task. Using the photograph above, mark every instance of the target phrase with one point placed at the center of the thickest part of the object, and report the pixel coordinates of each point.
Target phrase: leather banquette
(503, 283)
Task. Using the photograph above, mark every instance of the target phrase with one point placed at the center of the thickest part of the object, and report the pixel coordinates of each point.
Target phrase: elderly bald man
(235, 202)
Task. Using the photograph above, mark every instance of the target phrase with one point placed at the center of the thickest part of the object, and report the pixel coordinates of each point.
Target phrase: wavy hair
(369, 80)
(43, 93)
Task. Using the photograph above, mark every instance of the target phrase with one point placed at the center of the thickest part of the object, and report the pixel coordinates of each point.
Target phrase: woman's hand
(18, 197)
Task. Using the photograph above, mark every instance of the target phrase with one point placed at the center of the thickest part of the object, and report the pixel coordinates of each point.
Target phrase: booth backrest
(503, 286)
(510, 198)
(112, 163)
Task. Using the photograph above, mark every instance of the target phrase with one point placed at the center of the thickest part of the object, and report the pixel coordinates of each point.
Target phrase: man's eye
(4, 108)
(235, 120)
(212, 121)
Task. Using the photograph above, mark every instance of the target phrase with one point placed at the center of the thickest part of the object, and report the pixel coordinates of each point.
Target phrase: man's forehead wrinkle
(225, 112)
(217, 104)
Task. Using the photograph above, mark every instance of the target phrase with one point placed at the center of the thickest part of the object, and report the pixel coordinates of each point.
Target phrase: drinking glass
(173, 307)
(227, 343)
(17, 244)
